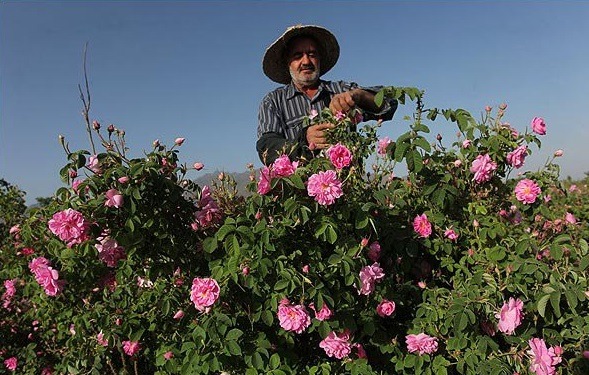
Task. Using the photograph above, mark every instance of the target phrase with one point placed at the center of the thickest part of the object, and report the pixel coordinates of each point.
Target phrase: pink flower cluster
(46, 276)
(204, 293)
(517, 157)
(526, 191)
(544, 359)
(325, 187)
(131, 347)
(9, 293)
(382, 145)
(209, 213)
(369, 276)
(340, 156)
(110, 252)
(282, 167)
(293, 317)
(70, 226)
(337, 345)
(421, 343)
(483, 168)
(510, 317)
(422, 226)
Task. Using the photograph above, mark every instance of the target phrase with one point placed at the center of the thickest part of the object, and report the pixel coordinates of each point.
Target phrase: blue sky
(161, 70)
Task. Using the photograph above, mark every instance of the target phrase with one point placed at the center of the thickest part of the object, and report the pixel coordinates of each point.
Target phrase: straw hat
(275, 65)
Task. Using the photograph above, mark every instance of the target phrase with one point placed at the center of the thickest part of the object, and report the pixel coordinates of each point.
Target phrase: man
(298, 59)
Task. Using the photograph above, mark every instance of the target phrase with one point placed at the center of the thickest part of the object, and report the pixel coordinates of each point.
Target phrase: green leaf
(555, 302)
(233, 348)
(379, 98)
(542, 302)
(209, 244)
(234, 334)
(274, 361)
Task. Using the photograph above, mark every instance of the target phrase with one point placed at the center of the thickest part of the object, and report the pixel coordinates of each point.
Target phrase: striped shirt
(282, 110)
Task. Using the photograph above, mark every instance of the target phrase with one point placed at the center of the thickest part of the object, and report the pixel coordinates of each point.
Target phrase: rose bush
(331, 265)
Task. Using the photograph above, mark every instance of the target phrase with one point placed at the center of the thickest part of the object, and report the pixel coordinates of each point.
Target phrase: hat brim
(276, 67)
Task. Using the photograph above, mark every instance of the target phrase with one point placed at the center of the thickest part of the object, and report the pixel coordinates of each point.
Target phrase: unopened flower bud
(488, 108)
(245, 271)
(179, 314)
(96, 125)
(503, 106)
(179, 141)
(364, 242)
(305, 268)
(457, 163)
(121, 132)
(221, 176)
(123, 180)
(111, 128)
(198, 166)
(156, 143)
(558, 153)
(73, 174)
(61, 139)
(439, 137)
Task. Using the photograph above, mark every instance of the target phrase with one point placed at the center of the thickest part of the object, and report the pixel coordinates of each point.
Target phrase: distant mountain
(241, 179)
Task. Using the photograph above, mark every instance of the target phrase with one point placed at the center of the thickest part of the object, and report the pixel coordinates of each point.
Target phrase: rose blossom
(517, 157)
(339, 155)
(422, 226)
(337, 345)
(382, 146)
(466, 143)
(293, 317)
(283, 167)
(325, 187)
(538, 126)
(123, 180)
(421, 343)
(131, 347)
(114, 198)
(483, 168)
(101, 340)
(558, 153)
(510, 317)
(204, 293)
(340, 115)
(11, 363)
(94, 164)
(369, 275)
(70, 226)
(209, 213)
(46, 276)
(544, 359)
(451, 234)
(264, 182)
(9, 293)
(385, 308)
(374, 251)
(168, 355)
(110, 252)
(179, 141)
(570, 218)
(526, 191)
(324, 314)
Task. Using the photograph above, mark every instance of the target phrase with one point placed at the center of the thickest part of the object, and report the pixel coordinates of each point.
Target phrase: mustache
(307, 66)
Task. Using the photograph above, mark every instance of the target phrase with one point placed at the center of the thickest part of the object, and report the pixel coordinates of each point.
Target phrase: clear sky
(161, 70)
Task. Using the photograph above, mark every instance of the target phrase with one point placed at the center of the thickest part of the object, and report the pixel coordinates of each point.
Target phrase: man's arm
(364, 99)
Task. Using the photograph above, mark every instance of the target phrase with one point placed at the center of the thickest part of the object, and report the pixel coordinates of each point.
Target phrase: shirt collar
(291, 90)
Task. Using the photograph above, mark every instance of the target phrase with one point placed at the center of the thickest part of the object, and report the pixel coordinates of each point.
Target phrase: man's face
(303, 62)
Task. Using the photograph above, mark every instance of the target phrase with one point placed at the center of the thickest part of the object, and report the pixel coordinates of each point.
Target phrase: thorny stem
(86, 102)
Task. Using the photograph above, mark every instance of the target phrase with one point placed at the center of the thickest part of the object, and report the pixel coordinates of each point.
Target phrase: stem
(86, 110)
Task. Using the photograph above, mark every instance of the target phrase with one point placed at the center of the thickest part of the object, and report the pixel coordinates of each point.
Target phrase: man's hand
(343, 102)
(316, 136)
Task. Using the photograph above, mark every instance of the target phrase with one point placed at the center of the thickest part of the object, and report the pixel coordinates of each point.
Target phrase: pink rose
(374, 251)
(340, 115)
(168, 355)
(11, 363)
(337, 345)
(510, 317)
(383, 143)
(538, 126)
(110, 252)
(339, 155)
(198, 166)
(283, 167)
(293, 317)
(483, 168)
(179, 141)
(466, 143)
(131, 347)
(113, 198)
(94, 164)
(179, 315)
(544, 359)
(324, 314)
(101, 340)
(325, 187)
(570, 218)
(558, 153)
(517, 157)
(209, 212)
(46, 276)
(123, 180)
(526, 191)
(264, 183)
(204, 293)
(422, 226)
(369, 276)
(305, 268)
(451, 234)
(385, 308)
(421, 343)
(70, 226)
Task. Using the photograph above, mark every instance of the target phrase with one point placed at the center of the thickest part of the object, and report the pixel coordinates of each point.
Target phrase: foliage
(281, 253)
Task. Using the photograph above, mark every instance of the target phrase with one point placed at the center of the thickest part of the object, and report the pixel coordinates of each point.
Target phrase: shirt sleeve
(388, 107)
(268, 118)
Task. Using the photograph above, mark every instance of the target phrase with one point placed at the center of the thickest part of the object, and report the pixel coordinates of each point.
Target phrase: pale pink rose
(570, 218)
(369, 276)
(110, 252)
(538, 126)
(374, 251)
(421, 343)
(11, 363)
(547, 198)
(517, 157)
(526, 191)
(340, 115)
(144, 282)
(337, 345)
(488, 108)
(131, 347)
(168, 355)
(483, 168)
(264, 182)
(94, 164)
(179, 141)
(422, 284)
(324, 314)
(511, 315)
(245, 271)
(75, 185)
(544, 359)
(293, 317)
(283, 167)
(198, 166)
(101, 340)
(558, 153)
(385, 308)
(204, 293)
(451, 234)
(573, 188)
(466, 143)
(340, 156)
(70, 226)
(457, 163)
(305, 268)
(422, 226)
(113, 198)
(179, 315)
(123, 180)
(382, 146)
(325, 187)
(313, 114)
(14, 230)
